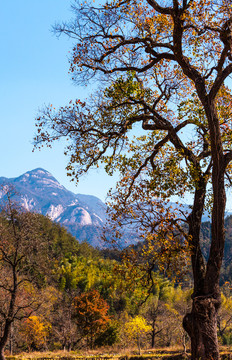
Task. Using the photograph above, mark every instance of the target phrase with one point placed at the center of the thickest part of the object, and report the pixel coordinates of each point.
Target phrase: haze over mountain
(39, 191)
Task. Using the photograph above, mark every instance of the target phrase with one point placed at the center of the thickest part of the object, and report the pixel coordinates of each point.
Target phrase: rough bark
(201, 325)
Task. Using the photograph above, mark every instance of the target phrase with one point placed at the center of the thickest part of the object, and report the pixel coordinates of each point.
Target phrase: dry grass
(102, 353)
(170, 353)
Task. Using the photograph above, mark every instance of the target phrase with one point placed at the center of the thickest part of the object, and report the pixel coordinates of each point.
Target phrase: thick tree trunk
(201, 325)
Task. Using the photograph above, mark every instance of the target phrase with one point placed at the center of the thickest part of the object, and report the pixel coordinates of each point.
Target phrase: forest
(59, 294)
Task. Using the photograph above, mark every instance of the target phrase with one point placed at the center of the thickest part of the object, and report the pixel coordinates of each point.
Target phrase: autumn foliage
(91, 314)
(34, 332)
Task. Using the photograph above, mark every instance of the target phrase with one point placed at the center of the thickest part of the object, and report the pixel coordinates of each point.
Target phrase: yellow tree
(34, 332)
(136, 329)
(164, 67)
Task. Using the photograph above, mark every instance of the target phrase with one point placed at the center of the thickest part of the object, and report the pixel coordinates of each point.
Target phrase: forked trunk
(201, 325)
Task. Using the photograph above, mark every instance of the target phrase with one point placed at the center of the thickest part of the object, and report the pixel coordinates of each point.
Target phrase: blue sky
(33, 72)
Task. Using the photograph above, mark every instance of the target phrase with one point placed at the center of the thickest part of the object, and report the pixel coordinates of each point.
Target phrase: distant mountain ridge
(39, 191)
(82, 215)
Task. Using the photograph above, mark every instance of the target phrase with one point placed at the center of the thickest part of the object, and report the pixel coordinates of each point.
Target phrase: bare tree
(20, 247)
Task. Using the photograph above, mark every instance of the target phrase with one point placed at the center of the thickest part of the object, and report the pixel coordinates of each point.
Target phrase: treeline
(57, 293)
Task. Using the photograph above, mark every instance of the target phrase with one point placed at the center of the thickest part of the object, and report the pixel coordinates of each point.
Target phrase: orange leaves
(91, 313)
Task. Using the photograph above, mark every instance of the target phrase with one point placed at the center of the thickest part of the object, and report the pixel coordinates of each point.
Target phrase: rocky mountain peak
(39, 177)
(37, 190)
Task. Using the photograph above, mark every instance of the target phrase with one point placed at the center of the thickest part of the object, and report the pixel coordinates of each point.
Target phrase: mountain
(82, 215)
(39, 191)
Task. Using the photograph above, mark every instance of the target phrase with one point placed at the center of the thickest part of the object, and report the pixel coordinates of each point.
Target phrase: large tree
(164, 67)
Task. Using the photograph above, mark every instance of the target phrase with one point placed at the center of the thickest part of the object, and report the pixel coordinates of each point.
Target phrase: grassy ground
(116, 354)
